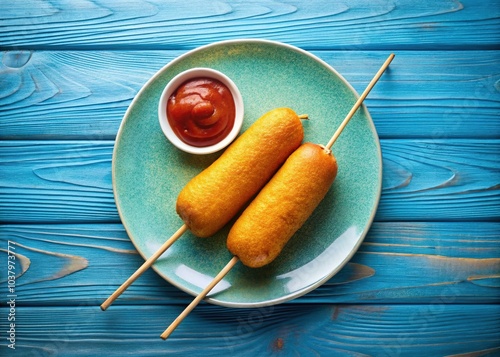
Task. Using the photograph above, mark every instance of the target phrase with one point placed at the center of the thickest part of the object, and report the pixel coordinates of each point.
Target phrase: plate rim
(298, 293)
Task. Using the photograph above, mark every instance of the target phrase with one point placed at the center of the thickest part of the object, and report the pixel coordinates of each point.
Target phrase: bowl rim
(174, 83)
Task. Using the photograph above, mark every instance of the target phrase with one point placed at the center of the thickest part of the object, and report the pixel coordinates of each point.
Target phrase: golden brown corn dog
(282, 206)
(217, 194)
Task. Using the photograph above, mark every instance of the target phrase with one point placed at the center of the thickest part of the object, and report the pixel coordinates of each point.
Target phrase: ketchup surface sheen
(201, 111)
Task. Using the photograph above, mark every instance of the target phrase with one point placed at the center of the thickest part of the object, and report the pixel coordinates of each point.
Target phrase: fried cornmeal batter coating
(212, 198)
(282, 206)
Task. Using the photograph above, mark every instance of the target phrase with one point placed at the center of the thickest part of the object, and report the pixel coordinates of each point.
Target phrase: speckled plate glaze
(149, 172)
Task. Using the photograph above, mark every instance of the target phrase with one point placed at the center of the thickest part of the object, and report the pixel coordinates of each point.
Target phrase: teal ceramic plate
(149, 173)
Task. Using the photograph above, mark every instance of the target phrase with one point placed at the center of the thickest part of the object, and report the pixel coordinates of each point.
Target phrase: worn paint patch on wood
(22, 261)
(486, 352)
(352, 272)
(60, 264)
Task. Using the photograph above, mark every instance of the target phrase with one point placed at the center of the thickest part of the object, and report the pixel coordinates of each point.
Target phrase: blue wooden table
(426, 280)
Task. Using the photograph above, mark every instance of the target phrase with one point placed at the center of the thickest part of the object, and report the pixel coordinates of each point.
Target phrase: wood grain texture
(285, 330)
(155, 24)
(397, 263)
(84, 94)
(426, 280)
(47, 181)
(440, 180)
(457, 180)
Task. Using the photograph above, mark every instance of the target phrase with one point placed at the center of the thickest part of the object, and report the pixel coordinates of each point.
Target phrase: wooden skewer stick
(145, 266)
(359, 101)
(200, 297)
(235, 259)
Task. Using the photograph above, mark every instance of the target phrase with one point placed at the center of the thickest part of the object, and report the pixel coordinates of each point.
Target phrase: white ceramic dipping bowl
(174, 84)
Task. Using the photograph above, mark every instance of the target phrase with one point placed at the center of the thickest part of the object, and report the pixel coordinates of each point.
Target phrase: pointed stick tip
(199, 297)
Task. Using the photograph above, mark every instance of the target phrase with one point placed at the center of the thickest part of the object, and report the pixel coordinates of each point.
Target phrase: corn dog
(216, 195)
(212, 199)
(282, 206)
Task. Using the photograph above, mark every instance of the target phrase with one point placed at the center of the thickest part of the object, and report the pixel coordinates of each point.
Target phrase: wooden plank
(320, 330)
(56, 181)
(44, 181)
(84, 94)
(398, 24)
(397, 263)
(440, 179)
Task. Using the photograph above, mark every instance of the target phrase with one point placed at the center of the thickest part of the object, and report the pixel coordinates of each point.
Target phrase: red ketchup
(201, 111)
